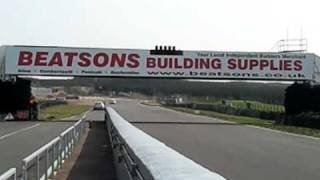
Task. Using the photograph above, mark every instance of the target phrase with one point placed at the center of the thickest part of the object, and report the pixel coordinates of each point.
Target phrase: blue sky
(247, 25)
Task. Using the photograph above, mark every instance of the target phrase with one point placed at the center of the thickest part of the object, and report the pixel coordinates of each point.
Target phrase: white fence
(10, 174)
(48, 159)
(43, 163)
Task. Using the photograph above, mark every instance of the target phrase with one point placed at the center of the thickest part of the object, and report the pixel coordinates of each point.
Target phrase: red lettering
(232, 64)
(253, 63)
(297, 65)
(196, 63)
(204, 63)
(187, 63)
(25, 58)
(41, 58)
(263, 63)
(272, 66)
(162, 64)
(176, 64)
(70, 56)
(243, 65)
(173, 63)
(97, 60)
(280, 65)
(287, 65)
(84, 59)
(56, 59)
(151, 62)
(216, 63)
(115, 59)
(133, 60)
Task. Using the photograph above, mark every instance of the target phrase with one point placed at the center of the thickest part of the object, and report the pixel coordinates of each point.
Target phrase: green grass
(253, 121)
(62, 111)
(243, 104)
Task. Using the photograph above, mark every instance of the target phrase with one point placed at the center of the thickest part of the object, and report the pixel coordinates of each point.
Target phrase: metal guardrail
(11, 174)
(122, 151)
(45, 162)
(142, 157)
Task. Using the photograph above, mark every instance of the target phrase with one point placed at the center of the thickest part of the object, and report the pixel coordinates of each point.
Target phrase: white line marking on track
(284, 132)
(252, 126)
(189, 114)
(18, 131)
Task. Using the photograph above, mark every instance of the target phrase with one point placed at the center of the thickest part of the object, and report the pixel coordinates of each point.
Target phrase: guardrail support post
(54, 158)
(24, 170)
(60, 149)
(70, 142)
(73, 137)
(133, 170)
(38, 168)
(46, 164)
(67, 145)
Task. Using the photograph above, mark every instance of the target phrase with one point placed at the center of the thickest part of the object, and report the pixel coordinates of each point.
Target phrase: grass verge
(62, 111)
(244, 104)
(252, 121)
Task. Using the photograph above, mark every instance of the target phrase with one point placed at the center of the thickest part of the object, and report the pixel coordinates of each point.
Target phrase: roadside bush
(14, 95)
(298, 98)
(305, 119)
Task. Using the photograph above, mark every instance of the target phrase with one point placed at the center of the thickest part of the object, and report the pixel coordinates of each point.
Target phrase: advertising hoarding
(64, 61)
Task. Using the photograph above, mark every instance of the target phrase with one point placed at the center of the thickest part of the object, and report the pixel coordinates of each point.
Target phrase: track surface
(237, 152)
(19, 139)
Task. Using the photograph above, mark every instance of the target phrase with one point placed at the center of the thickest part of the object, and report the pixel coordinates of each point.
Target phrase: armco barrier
(144, 158)
(11, 174)
(44, 162)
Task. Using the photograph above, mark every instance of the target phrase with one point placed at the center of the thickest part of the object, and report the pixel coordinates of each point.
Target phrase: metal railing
(122, 151)
(45, 162)
(11, 174)
(142, 157)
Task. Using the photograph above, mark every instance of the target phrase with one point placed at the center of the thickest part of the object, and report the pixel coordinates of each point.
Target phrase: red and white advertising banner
(61, 61)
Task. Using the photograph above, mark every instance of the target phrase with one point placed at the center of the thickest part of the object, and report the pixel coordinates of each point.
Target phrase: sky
(246, 25)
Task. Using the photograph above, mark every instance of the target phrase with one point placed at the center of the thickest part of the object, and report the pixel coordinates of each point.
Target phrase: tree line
(263, 92)
(14, 95)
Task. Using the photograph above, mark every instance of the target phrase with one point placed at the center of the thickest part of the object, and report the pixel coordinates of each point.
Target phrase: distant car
(99, 106)
(112, 101)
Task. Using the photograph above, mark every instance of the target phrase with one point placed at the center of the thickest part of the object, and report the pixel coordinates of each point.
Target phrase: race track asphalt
(237, 152)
